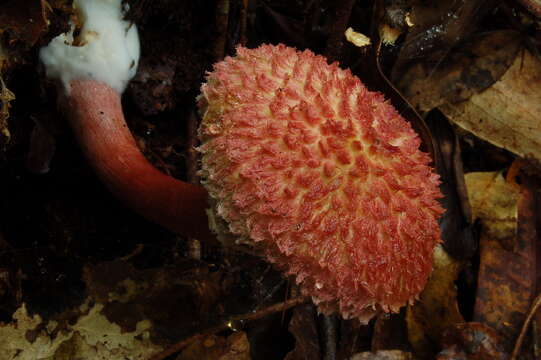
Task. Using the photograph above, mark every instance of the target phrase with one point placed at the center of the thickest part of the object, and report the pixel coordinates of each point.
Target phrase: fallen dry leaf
(494, 202)
(470, 69)
(471, 341)
(437, 308)
(383, 355)
(507, 269)
(92, 336)
(304, 328)
(506, 114)
(25, 20)
(356, 38)
(214, 347)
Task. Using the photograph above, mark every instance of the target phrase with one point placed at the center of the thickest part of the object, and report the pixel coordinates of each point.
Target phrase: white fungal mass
(107, 49)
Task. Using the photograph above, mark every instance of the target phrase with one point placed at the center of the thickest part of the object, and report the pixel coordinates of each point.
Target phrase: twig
(227, 325)
(520, 339)
(329, 329)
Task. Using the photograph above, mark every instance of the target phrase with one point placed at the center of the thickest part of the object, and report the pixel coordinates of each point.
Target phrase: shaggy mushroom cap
(324, 176)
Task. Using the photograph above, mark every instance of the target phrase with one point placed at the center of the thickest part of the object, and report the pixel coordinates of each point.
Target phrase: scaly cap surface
(301, 160)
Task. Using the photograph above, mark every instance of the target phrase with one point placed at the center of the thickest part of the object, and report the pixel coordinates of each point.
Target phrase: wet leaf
(25, 20)
(438, 27)
(437, 308)
(383, 355)
(506, 114)
(90, 336)
(304, 328)
(130, 295)
(507, 270)
(466, 71)
(213, 347)
(494, 203)
(471, 341)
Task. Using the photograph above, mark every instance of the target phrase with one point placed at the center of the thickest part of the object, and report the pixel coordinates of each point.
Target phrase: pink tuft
(298, 156)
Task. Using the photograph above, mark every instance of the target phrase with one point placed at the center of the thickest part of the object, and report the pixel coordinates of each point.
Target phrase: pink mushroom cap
(324, 176)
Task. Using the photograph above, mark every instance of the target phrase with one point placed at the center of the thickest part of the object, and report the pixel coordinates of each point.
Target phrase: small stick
(288, 304)
(329, 328)
(520, 339)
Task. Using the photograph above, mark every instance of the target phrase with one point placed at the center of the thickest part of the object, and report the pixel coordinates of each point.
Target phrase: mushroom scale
(302, 161)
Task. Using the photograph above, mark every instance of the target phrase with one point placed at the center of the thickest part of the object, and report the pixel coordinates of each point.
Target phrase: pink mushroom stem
(95, 114)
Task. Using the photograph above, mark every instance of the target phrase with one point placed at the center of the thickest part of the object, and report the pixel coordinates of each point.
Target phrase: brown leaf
(83, 333)
(471, 341)
(303, 326)
(507, 114)
(130, 295)
(24, 19)
(383, 355)
(437, 308)
(464, 72)
(437, 28)
(507, 274)
(494, 203)
(213, 347)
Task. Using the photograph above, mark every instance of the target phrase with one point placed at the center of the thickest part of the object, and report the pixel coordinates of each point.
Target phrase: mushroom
(93, 71)
(299, 160)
